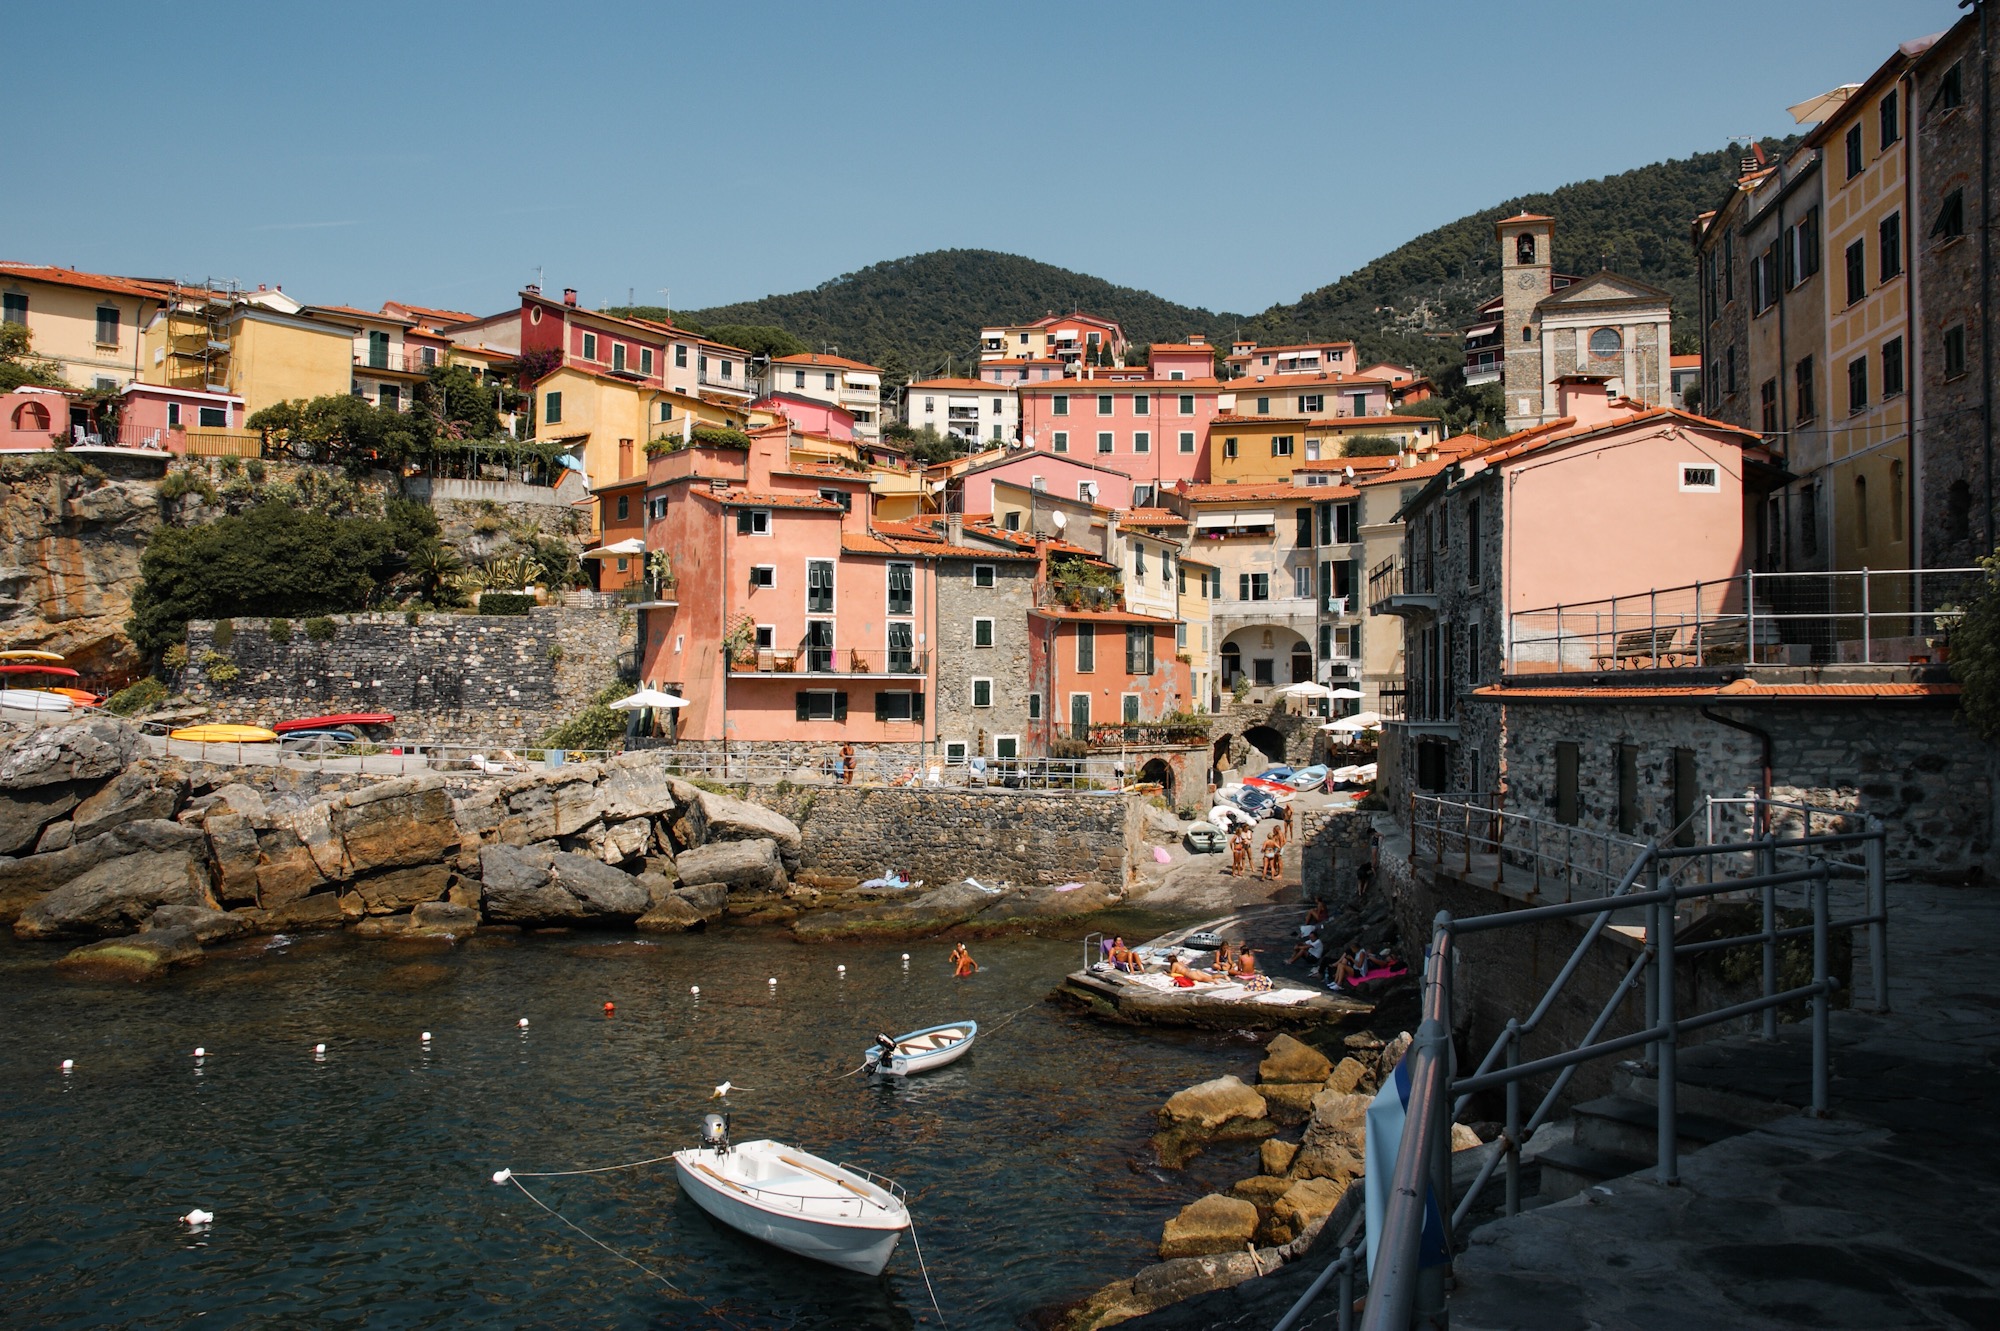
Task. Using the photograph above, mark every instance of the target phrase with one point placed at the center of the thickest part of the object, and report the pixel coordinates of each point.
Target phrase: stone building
(983, 698)
(1954, 373)
(1604, 324)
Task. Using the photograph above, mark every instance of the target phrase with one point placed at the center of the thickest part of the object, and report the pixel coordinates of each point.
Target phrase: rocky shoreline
(146, 860)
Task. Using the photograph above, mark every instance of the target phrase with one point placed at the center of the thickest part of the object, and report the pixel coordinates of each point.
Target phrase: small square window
(767, 637)
(1062, 441)
(982, 574)
(1104, 441)
(1700, 476)
(982, 693)
(764, 575)
(1187, 441)
(982, 632)
(214, 418)
(753, 522)
(1034, 707)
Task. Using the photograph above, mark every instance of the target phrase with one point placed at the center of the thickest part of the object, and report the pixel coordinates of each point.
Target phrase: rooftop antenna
(667, 302)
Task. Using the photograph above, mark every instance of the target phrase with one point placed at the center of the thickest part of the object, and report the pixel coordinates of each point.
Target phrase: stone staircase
(1616, 1135)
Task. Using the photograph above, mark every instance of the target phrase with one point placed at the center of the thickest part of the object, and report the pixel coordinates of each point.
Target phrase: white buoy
(198, 1216)
(427, 1037)
(773, 982)
(524, 1023)
(319, 1049)
(199, 1052)
(841, 969)
(906, 956)
(695, 989)
(503, 1176)
(69, 1064)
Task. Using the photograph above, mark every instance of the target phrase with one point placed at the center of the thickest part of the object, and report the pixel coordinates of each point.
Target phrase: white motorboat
(794, 1200)
(920, 1051)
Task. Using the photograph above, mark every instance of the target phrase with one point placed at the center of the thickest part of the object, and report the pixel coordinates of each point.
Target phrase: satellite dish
(1347, 472)
(1029, 439)
(1060, 518)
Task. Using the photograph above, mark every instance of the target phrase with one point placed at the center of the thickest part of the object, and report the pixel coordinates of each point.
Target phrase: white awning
(630, 546)
(1482, 330)
(1236, 520)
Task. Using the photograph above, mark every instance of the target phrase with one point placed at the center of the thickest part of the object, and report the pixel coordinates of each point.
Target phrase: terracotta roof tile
(816, 358)
(1740, 690)
(752, 499)
(70, 277)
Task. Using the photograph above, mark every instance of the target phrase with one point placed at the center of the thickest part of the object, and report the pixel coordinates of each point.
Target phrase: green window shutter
(881, 706)
(840, 706)
(803, 709)
(917, 708)
(742, 522)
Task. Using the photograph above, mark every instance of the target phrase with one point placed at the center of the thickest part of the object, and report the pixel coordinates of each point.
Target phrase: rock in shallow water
(536, 886)
(1211, 1224)
(208, 926)
(145, 956)
(118, 895)
(749, 867)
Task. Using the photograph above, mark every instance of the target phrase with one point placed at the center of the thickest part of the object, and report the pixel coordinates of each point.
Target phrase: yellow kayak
(221, 734)
(25, 654)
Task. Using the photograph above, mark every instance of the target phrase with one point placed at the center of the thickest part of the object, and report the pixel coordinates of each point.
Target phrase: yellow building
(1198, 584)
(1253, 450)
(262, 353)
(1861, 396)
(606, 422)
(87, 323)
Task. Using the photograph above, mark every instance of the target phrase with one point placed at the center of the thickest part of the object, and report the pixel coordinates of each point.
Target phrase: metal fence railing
(1464, 830)
(1409, 1274)
(1858, 616)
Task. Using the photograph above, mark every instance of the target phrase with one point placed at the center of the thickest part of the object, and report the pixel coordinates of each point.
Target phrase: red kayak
(64, 671)
(335, 721)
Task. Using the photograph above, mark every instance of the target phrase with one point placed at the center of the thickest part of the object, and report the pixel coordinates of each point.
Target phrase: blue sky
(1221, 155)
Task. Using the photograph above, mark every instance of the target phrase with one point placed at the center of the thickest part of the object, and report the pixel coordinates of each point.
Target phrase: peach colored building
(1153, 430)
(1247, 359)
(156, 416)
(31, 417)
(1102, 668)
(1192, 359)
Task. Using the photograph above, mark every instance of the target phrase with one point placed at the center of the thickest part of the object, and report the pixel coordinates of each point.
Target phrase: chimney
(569, 295)
(1584, 397)
(534, 288)
(954, 529)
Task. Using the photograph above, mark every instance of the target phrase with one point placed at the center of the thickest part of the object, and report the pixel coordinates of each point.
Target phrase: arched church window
(1524, 249)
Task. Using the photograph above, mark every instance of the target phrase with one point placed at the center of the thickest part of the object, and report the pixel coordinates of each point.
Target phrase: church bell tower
(1526, 278)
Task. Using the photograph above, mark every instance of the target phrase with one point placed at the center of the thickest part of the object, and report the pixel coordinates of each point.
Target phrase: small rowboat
(794, 1200)
(39, 669)
(34, 700)
(1307, 778)
(335, 721)
(26, 654)
(223, 734)
(920, 1051)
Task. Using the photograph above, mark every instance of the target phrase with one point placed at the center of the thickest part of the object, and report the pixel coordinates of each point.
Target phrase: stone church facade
(1604, 324)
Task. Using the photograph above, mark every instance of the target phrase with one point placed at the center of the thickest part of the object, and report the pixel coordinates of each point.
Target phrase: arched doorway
(1268, 741)
(1160, 770)
(1232, 664)
(1218, 758)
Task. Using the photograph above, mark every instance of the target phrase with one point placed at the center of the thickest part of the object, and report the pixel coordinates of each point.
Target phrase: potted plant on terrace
(739, 645)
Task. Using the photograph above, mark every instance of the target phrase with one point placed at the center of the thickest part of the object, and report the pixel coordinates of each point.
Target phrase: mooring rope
(631, 1261)
(925, 1270)
(573, 1173)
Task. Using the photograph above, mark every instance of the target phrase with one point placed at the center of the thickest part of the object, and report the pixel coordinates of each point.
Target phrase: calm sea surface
(356, 1190)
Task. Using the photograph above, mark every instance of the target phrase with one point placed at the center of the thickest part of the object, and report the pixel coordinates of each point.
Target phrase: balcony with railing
(793, 662)
(1878, 617)
(652, 592)
(1399, 588)
(397, 360)
(1113, 736)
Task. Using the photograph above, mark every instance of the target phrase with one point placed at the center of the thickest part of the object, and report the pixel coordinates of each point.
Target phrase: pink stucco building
(156, 416)
(1153, 430)
(810, 415)
(30, 417)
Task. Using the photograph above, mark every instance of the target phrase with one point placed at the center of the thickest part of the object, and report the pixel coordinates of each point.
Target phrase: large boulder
(320, 910)
(400, 889)
(1349, 1075)
(1289, 1102)
(1305, 1201)
(208, 926)
(708, 899)
(144, 956)
(1211, 1104)
(543, 807)
(1335, 1138)
(234, 845)
(1211, 1224)
(1290, 1060)
(635, 785)
(444, 920)
(395, 824)
(670, 914)
(149, 788)
(88, 749)
(726, 818)
(119, 895)
(286, 869)
(27, 880)
(743, 867)
(535, 885)
(933, 912)
(24, 813)
(1275, 1157)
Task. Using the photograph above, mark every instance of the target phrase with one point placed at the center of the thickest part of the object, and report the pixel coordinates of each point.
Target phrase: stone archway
(1162, 771)
(1268, 741)
(1218, 756)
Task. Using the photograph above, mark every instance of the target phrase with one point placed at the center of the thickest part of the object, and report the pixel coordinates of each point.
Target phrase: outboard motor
(715, 1132)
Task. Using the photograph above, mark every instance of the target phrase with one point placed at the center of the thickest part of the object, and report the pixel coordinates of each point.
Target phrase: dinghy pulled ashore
(794, 1200)
(921, 1051)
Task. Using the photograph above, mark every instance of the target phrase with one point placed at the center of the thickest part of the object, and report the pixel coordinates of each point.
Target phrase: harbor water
(355, 1188)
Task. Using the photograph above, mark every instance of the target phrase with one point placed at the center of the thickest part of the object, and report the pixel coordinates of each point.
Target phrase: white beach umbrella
(648, 698)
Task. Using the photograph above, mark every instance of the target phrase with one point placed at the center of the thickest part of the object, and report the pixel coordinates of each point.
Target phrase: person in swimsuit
(1274, 854)
(962, 963)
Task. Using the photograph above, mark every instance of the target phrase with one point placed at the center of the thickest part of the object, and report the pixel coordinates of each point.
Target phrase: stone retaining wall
(1333, 845)
(463, 679)
(940, 835)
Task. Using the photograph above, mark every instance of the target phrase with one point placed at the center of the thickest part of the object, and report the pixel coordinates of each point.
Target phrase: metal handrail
(1401, 1288)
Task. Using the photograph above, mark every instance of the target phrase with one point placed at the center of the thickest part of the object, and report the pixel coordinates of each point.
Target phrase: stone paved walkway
(1887, 1214)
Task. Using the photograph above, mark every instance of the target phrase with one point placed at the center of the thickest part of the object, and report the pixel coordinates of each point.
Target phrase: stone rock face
(634, 785)
(149, 788)
(321, 910)
(144, 956)
(442, 919)
(88, 749)
(56, 836)
(1335, 1138)
(1289, 1102)
(1392, 1054)
(540, 808)
(1275, 1157)
(671, 914)
(707, 899)
(532, 885)
(119, 895)
(208, 926)
(744, 867)
(401, 889)
(1212, 1224)
(234, 844)
(1349, 1075)
(1304, 1202)
(26, 881)
(286, 870)
(24, 813)
(395, 824)
(1290, 1060)
(1211, 1104)
(727, 819)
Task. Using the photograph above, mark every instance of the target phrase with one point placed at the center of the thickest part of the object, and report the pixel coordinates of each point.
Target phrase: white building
(854, 387)
(968, 408)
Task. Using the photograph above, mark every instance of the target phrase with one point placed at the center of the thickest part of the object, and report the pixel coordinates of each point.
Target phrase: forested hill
(930, 306)
(908, 315)
(1636, 222)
